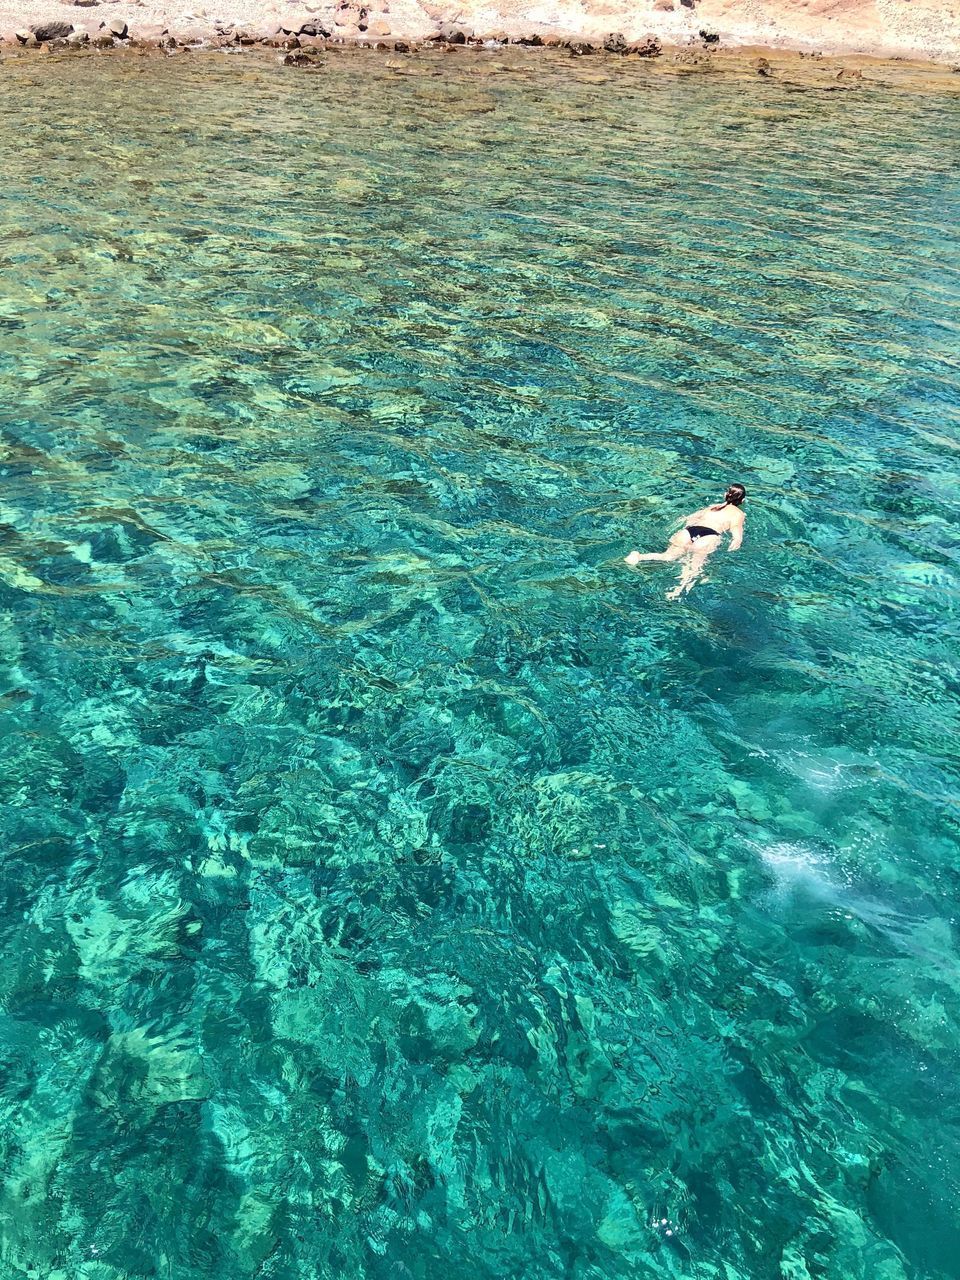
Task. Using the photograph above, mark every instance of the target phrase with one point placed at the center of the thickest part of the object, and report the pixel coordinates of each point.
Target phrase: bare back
(726, 519)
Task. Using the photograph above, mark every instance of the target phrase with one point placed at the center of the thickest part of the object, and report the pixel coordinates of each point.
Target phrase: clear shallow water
(394, 885)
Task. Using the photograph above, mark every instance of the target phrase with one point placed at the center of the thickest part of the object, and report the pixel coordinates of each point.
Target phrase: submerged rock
(761, 66)
(303, 58)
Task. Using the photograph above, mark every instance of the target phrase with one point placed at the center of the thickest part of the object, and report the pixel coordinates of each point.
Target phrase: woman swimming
(700, 537)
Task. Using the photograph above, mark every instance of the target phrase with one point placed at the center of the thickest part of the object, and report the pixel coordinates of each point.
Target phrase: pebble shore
(296, 32)
(302, 37)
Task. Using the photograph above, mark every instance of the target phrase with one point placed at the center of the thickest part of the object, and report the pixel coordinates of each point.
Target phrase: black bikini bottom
(701, 531)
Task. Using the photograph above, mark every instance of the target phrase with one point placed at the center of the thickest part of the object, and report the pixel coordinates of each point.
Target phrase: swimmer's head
(735, 494)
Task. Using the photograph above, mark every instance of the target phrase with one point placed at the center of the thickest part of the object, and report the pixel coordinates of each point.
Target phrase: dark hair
(735, 494)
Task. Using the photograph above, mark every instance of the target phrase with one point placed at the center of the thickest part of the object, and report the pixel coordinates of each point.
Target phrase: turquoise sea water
(394, 884)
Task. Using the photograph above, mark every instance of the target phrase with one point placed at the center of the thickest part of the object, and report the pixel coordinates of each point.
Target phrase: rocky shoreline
(299, 34)
(302, 36)
(296, 32)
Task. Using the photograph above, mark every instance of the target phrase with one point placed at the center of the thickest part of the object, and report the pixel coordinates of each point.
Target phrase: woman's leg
(680, 544)
(691, 572)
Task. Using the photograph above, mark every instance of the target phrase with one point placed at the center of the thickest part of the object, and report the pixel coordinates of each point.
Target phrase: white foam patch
(801, 872)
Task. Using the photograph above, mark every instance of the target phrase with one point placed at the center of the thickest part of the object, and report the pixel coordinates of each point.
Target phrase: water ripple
(393, 885)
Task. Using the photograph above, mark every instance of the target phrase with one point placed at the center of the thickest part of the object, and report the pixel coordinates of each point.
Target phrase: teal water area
(395, 885)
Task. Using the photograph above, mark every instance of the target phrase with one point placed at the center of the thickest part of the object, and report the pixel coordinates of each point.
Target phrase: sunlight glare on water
(395, 885)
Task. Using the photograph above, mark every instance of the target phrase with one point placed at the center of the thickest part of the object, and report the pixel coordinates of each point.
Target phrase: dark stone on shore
(532, 42)
(400, 46)
(580, 48)
(616, 42)
(649, 47)
(85, 4)
(45, 31)
(689, 4)
(449, 33)
(117, 27)
(313, 29)
(709, 37)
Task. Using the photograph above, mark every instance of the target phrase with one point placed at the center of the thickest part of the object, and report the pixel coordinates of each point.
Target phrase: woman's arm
(736, 535)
